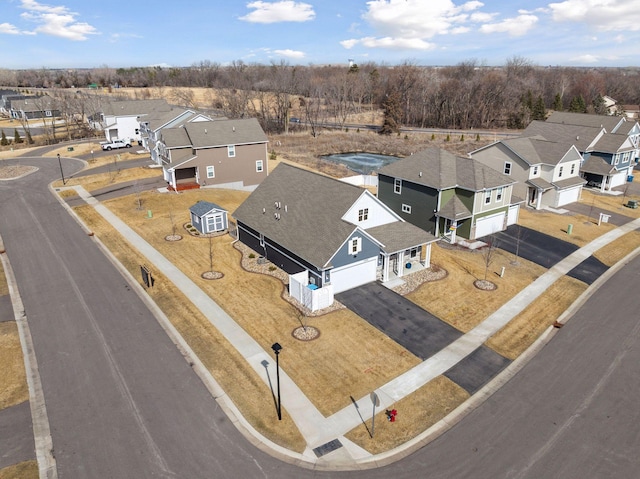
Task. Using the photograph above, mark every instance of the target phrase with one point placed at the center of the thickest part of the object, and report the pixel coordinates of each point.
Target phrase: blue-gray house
(331, 232)
(208, 217)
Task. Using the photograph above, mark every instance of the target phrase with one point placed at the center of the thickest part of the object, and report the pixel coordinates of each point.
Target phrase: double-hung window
(211, 172)
(231, 151)
(355, 245)
(397, 186)
(498, 194)
(507, 167)
(487, 197)
(363, 214)
(259, 166)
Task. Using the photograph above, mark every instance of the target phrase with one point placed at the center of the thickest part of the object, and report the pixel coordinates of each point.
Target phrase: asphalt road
(123, 403)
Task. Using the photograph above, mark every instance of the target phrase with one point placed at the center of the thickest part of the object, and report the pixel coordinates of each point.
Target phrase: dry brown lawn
(4, 288)
(23, 470)
(611, 203)
(12, 374)
(584, 231)
(512, 340)
(416, 413)
(618, 249)
(457, 301)
(328, 369)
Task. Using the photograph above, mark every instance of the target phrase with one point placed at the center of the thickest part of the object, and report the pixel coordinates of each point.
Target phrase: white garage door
(489, 225)
(354, 275)
(568, 196)
(512, 217)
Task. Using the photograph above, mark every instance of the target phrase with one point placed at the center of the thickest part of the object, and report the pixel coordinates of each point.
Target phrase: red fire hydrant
(391, 415)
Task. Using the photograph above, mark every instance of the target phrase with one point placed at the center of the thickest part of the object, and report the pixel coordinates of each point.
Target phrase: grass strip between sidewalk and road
(23, 470)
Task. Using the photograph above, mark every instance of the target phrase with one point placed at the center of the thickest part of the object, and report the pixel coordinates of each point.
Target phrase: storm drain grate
(327, 448)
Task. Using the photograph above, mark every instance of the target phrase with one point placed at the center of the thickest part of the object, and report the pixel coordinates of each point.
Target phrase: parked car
(115, 144)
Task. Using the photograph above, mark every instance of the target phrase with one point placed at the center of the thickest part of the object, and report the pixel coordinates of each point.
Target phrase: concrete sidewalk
(326, 445)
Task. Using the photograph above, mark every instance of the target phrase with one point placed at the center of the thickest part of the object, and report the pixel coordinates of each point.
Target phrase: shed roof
(202, 207)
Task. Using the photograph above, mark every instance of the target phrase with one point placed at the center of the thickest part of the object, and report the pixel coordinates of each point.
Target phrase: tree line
(463, 96)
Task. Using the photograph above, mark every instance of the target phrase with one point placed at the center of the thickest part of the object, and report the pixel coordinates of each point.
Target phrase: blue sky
(117, 33)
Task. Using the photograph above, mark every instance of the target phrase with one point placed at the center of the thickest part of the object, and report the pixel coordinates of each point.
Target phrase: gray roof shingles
(311, 211)
(439, 169)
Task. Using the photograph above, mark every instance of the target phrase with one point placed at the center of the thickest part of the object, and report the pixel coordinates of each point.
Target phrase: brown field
(416, 413)
(584, 231)
(24, 470)
(618, 249)
(512, 340)
(12, 374)
(457, 301)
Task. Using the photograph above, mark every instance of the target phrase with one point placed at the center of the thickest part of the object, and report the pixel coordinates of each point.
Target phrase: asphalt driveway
(546, 251)
(534, 246)
(409, 325)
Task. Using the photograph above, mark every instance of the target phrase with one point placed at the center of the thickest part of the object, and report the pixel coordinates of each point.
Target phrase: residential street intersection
(123, 402)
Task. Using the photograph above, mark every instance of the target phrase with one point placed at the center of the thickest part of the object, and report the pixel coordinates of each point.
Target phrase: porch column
(453, 228)
(539, 199)
(400, 264)
(427, 255)
(385, 268)
(173, 180)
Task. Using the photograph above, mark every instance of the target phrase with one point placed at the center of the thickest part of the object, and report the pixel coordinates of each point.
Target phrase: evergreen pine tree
(3, 139)
(599, 106)
(392, 112)
(16, 137)
(539, 111)
(578, 105)
(557, 103)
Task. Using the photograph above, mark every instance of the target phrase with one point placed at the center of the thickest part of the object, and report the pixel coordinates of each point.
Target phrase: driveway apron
(412, 327)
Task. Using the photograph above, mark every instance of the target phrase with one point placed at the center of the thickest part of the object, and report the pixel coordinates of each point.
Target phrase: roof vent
(420, 174)
(233, 128)
(264, 210)
(286, 209)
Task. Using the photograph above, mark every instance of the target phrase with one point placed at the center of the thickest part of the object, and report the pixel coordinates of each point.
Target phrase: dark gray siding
(422, 200)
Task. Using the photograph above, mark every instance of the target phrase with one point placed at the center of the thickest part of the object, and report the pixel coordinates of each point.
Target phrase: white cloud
(283, 11)
(9, 29)
(57, 21)
(410, 24)
(295, 54)
(389, 42)
(603, 15)
(515, 27)
(583, 59)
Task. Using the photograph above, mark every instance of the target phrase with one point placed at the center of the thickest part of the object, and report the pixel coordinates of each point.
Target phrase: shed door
(353, 275)
(215, 223)
(489, 225)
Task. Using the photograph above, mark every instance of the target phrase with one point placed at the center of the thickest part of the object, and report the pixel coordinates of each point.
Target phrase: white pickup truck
(115, 144)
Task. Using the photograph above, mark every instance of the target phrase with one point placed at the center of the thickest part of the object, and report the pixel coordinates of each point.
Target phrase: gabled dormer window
(231, 151)
(507, 168)
(560, 171)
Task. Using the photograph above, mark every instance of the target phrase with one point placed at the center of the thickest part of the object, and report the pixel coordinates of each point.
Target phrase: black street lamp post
(61, 173)
(276, 349)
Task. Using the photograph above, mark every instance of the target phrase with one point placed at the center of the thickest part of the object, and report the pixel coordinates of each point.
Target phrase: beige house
(547, 172)
(215, 154)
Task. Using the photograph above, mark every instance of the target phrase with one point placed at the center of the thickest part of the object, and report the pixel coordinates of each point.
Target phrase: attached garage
(512, 216)
(489, 225)
(568, 196)
(353, 275)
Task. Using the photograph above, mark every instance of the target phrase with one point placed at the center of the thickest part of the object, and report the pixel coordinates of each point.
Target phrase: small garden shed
(208, 217)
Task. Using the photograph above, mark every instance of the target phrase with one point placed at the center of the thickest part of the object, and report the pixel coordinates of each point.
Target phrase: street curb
(375, 461)
(40, 420)
(214, 388)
